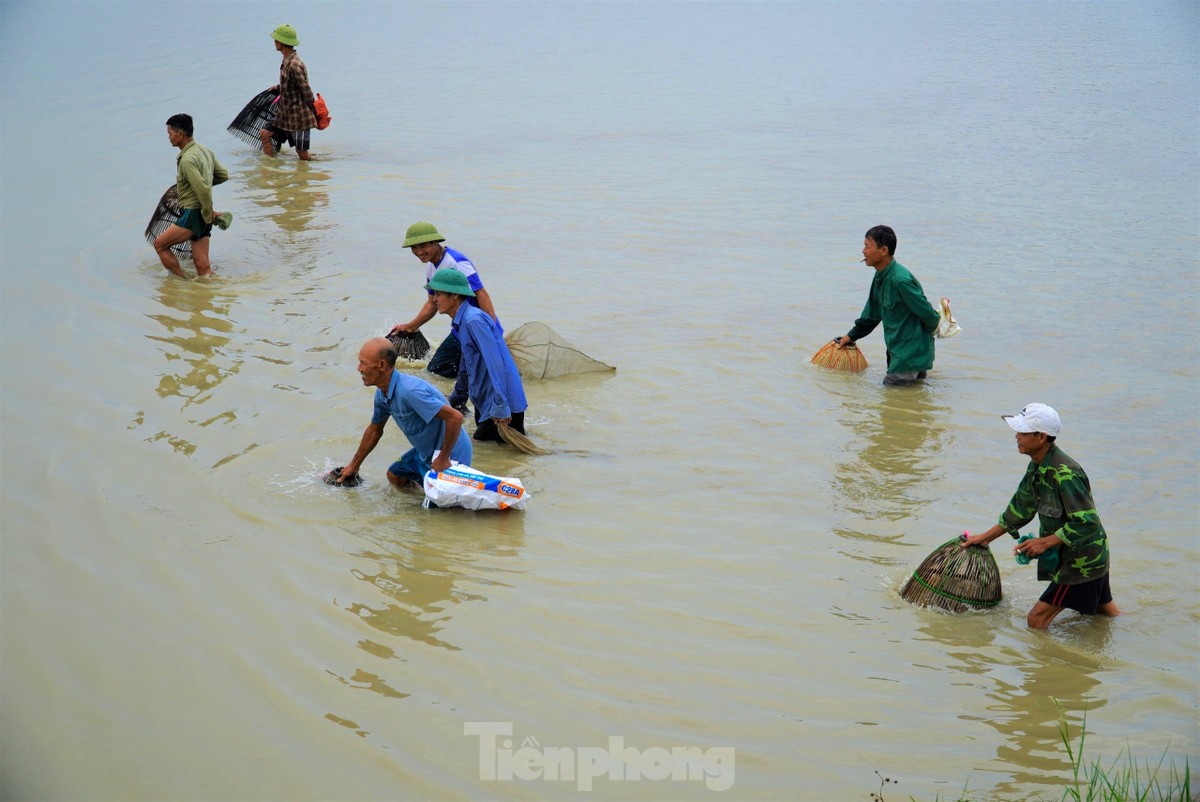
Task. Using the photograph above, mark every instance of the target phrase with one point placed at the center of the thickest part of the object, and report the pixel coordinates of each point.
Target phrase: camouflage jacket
(1058, 492)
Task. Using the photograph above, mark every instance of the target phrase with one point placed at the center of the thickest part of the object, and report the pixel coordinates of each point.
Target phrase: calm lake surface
(711, 562)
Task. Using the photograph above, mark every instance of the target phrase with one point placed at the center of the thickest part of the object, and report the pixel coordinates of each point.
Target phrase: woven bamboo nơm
(519, 441)
(409, 345)
(256, 116)
(956, 579)
(848, 359)
(331, 478)
(166, 213)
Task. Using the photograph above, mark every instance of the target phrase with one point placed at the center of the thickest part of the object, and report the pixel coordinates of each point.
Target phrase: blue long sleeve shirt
(493, 380)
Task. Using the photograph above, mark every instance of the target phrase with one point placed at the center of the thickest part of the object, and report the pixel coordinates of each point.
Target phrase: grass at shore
(1125, 780)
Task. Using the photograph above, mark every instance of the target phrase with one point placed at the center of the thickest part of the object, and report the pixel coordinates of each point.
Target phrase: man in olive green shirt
(1072, 546)
(196, 172)
(896, 300)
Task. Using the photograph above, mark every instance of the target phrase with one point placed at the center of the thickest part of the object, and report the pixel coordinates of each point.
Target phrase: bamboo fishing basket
(256, 116)
(955, 579)
(331, 478)
(410, 345)
(165, 214)
(848, 359)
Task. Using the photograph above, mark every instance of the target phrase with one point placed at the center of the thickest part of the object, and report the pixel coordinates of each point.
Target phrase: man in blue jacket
(495, 385)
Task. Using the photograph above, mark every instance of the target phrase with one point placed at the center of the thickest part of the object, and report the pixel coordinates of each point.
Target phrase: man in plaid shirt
(295, 116)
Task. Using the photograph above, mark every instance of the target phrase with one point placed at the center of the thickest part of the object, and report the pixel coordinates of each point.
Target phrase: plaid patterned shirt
(294, 111)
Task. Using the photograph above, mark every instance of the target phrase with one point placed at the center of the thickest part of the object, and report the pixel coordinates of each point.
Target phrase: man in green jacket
(1072, 546)
(196, 172)
(897, 301)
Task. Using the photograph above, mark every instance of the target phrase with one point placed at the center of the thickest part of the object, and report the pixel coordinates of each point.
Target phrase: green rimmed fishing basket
(955, 579)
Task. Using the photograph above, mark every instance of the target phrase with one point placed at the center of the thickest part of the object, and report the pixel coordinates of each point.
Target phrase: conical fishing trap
(849, 358)
(410, 345)
(956, 579)
(165, 215)
(256, 116)
(542, 353)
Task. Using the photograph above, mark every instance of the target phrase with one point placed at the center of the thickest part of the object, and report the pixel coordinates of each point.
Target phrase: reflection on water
(1023, 710)
(196, 319)
(289, 193)
(420, 577)
(1022, 680)
(887, 471)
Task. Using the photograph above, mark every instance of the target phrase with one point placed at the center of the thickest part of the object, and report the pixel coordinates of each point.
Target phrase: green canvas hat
(421, 232)
(447, 279)
(286, 35)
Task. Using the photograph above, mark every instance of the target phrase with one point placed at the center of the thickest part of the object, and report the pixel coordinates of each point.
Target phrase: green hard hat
(447, 279)
(286, 35)
(421, 232)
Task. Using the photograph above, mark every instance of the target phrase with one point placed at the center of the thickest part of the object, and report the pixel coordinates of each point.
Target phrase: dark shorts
(193, 221)
(410, 466)
(1086, 597)
(297, 139)
(487, 430)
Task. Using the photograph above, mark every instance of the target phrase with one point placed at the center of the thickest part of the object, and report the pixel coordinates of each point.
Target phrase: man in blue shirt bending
(431, 425)
(494, 384)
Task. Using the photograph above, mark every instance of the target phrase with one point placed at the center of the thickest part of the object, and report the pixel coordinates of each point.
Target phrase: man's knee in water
(402, 482)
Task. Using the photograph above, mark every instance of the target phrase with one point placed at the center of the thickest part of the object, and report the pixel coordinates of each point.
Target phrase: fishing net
(410, 345)
(834, 358)
(541, 353)
(256, 116)
(955, 579)
(519, 441)
(165, 215)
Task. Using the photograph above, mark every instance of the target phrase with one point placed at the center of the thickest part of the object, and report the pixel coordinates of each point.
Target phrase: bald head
(376, 362)
(379, 348)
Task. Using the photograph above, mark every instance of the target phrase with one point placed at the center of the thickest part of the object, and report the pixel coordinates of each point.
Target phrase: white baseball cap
(1035, 418)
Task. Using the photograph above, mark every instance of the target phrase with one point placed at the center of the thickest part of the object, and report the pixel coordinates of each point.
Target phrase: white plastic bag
(462, 486)
(948, 327)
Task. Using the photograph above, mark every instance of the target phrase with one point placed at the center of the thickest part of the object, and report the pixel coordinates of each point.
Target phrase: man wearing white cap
(1072, 547)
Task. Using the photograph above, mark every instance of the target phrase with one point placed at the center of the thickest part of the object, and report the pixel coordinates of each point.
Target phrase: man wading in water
(196, 172)
(295, 116)
(1072, 550)
(896, 300)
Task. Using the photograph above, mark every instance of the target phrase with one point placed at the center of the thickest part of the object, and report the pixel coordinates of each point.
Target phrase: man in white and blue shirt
(426, 244)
